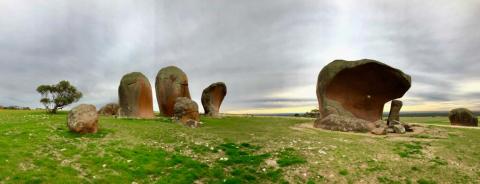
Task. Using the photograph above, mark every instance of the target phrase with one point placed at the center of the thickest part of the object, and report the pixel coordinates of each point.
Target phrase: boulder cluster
(173, 97)
(351, 95)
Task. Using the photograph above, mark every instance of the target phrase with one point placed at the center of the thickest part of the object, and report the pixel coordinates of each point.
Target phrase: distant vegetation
(14, 107)
(57, 96)
(314, 113)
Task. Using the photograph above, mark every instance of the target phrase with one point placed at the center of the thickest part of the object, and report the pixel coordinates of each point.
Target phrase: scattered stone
(135, 95)
(407, 127)
(380, 123)
(462, 117)
(399, 129)
(83, 119)
(395, 108)
(271, 163)
(186, 112)
(111, 109)
(390, 130)
(379, 131)
(357, 90)
(171, 83)
(344, 124)
(212, 98)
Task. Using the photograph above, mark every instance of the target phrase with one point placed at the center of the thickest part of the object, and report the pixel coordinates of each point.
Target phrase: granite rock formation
(171, 82)
(186, 112)
(212, 98)
(357, 90)
(394, 114)
(111, 109)
(462, 117)
(135, 95)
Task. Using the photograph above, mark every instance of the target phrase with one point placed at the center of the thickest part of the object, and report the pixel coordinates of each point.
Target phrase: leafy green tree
(57, 96)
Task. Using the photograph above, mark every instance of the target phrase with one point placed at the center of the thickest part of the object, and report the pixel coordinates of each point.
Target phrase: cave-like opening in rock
(363, 90)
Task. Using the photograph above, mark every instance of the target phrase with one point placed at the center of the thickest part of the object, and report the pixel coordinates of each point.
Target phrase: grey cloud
(256, 47)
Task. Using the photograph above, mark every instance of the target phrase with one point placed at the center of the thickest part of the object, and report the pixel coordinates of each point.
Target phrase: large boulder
(462, 117)
(83, 119)
(186, 112)
(394, 114)
(344, 124)
(212, 98)
(358, 89)
(111, 109)
(171, 83)
(135, 95)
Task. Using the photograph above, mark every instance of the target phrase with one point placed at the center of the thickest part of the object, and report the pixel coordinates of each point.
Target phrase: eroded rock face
(395, 108)
(344, 124)
(83, 119)
(111, 109)
(171, 83)
(212, 98)
(186, 112)
(135, 95)
(359, 90)
(462, 117)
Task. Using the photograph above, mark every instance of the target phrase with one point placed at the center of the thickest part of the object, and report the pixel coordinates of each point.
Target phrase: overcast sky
(268, 52)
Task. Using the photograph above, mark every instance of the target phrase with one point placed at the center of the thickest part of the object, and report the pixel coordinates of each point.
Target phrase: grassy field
(38, 148)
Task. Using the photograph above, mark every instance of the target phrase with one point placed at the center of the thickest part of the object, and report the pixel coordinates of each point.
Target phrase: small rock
(390, 130)
(399, 129)
(271, 163)
(407, 127)
(379, 131)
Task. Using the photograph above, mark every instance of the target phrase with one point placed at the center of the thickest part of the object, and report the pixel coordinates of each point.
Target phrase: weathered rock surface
(111, 109)
(186, 112)
(171, 82)
(357, 90)
(83, 119)
(379, 131)
(462, 117)
(344, 124)
(399, 129)
(135, 95)
(394, 114)
(212, 98)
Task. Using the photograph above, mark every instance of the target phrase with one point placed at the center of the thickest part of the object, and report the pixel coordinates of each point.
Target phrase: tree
(57, 96)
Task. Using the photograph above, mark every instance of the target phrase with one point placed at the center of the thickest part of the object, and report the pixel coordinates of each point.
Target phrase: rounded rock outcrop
(212, 98)
(83, 119)
(186, 112)
(135, 96)
(111, 109)
(171, 82)
(358, 89)
(462, 117)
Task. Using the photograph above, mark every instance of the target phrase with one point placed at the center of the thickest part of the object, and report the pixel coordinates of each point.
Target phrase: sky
(268, 52)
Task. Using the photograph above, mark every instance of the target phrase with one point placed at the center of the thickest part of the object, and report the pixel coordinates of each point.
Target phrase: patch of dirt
(420, 132)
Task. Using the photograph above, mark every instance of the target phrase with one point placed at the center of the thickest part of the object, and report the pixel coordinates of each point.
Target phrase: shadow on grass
(64, 132)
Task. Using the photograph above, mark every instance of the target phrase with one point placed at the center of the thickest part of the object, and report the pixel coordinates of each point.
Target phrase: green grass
(38, 148)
